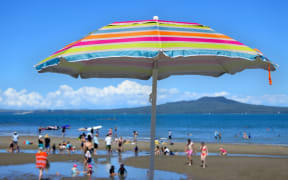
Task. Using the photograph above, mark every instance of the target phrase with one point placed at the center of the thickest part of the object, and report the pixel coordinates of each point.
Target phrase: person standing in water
(169, 136)
(41, 161)
(204, 153)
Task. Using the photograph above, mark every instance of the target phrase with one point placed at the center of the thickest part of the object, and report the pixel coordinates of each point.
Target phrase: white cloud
(126, 94)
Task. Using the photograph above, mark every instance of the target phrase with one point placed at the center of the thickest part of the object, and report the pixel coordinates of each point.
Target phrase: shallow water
(100, 169)
(263, 128)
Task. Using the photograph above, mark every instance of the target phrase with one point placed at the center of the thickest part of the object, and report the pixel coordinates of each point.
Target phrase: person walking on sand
(204, 153)
(189, 151)
(15, 138)
(41, 161)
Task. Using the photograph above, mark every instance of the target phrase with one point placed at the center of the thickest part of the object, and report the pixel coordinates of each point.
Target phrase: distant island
(204, 105)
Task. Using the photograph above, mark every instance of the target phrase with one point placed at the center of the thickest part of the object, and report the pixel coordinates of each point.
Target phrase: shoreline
(145, 146)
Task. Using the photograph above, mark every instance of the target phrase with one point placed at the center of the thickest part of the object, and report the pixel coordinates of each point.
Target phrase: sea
(262, 128)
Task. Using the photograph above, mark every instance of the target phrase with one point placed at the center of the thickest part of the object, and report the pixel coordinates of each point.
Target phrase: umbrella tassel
(269, 72)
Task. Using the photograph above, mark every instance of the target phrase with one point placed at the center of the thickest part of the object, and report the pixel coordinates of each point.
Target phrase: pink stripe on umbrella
(157, 39)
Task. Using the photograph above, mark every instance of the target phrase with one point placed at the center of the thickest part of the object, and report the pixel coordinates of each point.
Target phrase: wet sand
(224, 168)
(218, 167)
(145, 146)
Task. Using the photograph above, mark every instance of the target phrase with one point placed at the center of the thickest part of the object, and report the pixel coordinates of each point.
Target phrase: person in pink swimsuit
(189, 151)
(223, 152)
(204, 153)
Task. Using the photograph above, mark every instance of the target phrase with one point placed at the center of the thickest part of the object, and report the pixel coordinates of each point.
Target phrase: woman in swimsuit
(204, 153)
(223, 152)
(189, 150)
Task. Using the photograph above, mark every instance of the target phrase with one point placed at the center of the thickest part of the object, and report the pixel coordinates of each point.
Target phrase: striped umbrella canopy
(130, 49)
(154, 48)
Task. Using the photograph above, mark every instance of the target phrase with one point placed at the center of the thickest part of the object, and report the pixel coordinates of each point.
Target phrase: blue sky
(32, 30)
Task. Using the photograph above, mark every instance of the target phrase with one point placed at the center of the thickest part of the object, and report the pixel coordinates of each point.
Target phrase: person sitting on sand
(223, 152)
(204, 153)
(41, 161)
(112, 171)
(166, 151)
(122, 172)
(189, 151)
(75, 171)
(157, 151)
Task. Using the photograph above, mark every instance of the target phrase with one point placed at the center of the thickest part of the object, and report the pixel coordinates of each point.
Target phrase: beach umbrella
(157, 49)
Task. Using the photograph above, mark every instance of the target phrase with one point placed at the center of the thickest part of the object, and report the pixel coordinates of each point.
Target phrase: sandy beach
(144, 146)
(218, 167)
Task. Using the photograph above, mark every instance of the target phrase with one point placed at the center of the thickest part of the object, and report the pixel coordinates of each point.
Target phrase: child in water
(75, 171)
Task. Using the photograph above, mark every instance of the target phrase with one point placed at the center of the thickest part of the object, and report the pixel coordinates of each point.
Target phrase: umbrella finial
(155, 18)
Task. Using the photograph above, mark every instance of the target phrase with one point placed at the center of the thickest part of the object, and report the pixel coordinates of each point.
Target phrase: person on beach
(87, 159)
(110, 132)
(63, 131)
(15, 138)
(204, 153)
(75, 171)
(47, 143)
(136, 149)
(220, 135)
(112, 171)
(135, 134)
(122, 172)
(223, 152)
(157, 151)
(216, 135)
(88, 145)
(166, 151)
(108, 141)
(54, 148)
(11, 146)
(82, 139)
(89, 171)
(41, 161)
(40, 142)
(96, 142)
(189, 151)
(169, 136)
(120, 144)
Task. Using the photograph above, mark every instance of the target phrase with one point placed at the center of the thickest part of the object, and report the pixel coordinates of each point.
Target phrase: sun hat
(40, 136)
(74, 165)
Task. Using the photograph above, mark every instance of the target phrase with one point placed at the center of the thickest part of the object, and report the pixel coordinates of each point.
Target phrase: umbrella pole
(153, 121)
